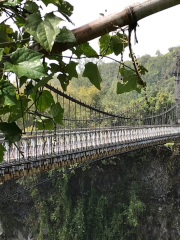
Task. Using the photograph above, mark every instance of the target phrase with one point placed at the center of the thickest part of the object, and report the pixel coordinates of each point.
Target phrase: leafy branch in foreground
(34, 32)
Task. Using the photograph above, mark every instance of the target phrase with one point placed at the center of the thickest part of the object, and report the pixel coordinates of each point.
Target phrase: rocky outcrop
(156, 171)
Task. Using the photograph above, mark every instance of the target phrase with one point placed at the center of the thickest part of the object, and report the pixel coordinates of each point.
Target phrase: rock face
(162, 176)
(156, 169)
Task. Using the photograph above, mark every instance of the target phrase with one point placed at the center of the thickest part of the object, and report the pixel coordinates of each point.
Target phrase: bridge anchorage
(87, 134)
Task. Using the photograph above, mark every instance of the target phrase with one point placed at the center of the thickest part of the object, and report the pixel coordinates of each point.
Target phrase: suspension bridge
(87, 134)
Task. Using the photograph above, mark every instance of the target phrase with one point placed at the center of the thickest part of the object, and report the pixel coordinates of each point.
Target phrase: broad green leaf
(64, 80)
(87, 49)
(44, 99)
(19, 21)
(11, 132)
(55, 68)
(45, 123)
(31, 7)
(77, 51)
(71, 70)
(117, 44)
(1, 53)
(127, 74)
(91, 71)
(18, 110)
(2, 150)
(65, 35)
(130, 81)
(42, 83)
(22, 80)
(104, 44)
(26, 62)
(60, 67)
(84, 49)
(12, 2)
(65, 7)
(5, 38)
(29, 88)
(143, 70)
(7, 93)
(126, 87)
(55, 2)
(56, 57)
(4, 110)
(57, 112)
(43, 31)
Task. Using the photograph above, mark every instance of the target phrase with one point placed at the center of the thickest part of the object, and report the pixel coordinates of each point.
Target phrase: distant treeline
(108, 100)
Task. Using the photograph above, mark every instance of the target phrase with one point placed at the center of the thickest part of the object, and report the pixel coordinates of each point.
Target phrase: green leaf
(1, 53)
(29, 88)
(17, 111)
(2, 150)
(11, 132)
(45, 123)
(57, 112)
(55, 2)
(143, 70)
(44, 99)
(22, 80)
(71, 70)
(44, 32)
(64, 80)
(5, 38)
(65, 35)
(126, 87)
(77, 51)
(55, 68)
(84, 49)
(91, 71)
(4, 110)
(26, 62)
(65, 7)
(87, 49)
(11, 2)
(7, 93)
(130, 81)
(42, 83)
(117, 43)
(31, 7)
(104, 44)
(19, 21)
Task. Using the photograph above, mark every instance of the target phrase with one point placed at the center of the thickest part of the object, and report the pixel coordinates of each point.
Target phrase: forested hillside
(160, 69)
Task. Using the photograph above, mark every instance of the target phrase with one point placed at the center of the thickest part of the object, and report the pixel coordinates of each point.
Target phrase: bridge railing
(41, 146)
(83, 127)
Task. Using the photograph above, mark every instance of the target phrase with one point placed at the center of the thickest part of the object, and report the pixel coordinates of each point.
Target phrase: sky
(159, 31)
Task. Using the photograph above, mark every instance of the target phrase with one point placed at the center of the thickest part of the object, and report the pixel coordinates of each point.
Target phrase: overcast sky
(157, 32)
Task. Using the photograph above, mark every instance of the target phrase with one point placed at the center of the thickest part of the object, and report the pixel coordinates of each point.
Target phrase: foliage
(90, 204)
(27, 50)
(108, 100)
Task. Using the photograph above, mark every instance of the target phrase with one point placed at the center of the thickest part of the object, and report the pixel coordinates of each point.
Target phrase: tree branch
(110, 23)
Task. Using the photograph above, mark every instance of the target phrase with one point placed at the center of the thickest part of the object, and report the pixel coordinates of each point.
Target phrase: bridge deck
(41, 152)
